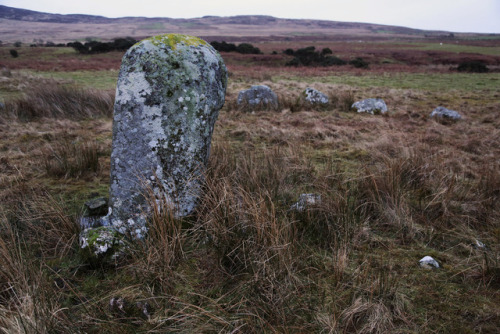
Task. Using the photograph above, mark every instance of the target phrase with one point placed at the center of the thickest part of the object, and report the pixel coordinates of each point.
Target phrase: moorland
(394, 188)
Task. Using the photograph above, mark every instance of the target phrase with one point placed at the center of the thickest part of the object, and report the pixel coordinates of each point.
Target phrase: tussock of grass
(55, 101)
(72, 159)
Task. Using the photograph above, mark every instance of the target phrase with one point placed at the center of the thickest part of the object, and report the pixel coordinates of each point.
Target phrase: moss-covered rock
(101, 245)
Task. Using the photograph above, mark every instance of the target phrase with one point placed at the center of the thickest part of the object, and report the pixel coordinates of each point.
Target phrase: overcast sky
(450, 15)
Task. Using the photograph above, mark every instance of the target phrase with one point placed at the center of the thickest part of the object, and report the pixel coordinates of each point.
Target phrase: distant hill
(27, 25)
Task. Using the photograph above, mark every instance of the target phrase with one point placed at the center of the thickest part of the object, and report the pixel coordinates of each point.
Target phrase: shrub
(14, 53)
(91, 47)
(326, 51)
(474, 66)
(359, 63)
(310, 57)
(332, 60)
(244, 48)
(223, 46)
(123, 44)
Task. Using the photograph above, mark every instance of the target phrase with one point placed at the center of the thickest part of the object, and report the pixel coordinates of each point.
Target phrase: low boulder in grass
(443, 113)
(102, 245)
(371, 106)
(305, 201)
(315, 97)
(428, 262)
(257, 97)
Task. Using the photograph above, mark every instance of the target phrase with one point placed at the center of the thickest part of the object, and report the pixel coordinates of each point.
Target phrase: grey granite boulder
(257, 97)
(169, 93)
(315, 97)
(442, 112)
(371, 106)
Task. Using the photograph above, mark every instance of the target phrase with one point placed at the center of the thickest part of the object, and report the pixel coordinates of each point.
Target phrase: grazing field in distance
(394, 188)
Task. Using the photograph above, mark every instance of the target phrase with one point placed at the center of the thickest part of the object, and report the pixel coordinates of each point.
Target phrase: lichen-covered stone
(315, 97)
(257, 97)
(169, 93)
(101, 244)
(371, 106)
(442, 112)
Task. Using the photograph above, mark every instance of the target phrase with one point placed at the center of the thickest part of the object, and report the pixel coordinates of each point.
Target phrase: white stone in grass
(370, 106)
(260, 96)
(479, 245)
(305, 201)
(442, 112)
(315, 97)
(428, 262)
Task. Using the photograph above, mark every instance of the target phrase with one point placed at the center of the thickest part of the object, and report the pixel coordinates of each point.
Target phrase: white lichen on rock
(169, 93)
(442, 112)
(315, 97)
(370, 106)
(101, 242)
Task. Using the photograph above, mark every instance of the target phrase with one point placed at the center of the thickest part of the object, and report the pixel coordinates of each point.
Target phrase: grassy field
(393, 188)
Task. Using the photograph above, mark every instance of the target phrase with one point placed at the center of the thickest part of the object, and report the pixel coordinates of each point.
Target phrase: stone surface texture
(257, 97)
(315, 97)
(442, 112)
(371, 106)
(169, 93)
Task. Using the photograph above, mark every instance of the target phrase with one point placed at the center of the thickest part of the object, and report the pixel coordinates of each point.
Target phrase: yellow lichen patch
(172, 40)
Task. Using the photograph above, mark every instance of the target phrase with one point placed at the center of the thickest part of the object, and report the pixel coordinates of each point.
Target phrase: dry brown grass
(56, 101)
(393, 189)
(72, 159)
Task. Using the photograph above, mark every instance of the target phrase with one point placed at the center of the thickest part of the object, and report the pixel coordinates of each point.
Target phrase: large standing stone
(257, 97)
(371, 106)
(169, 93)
